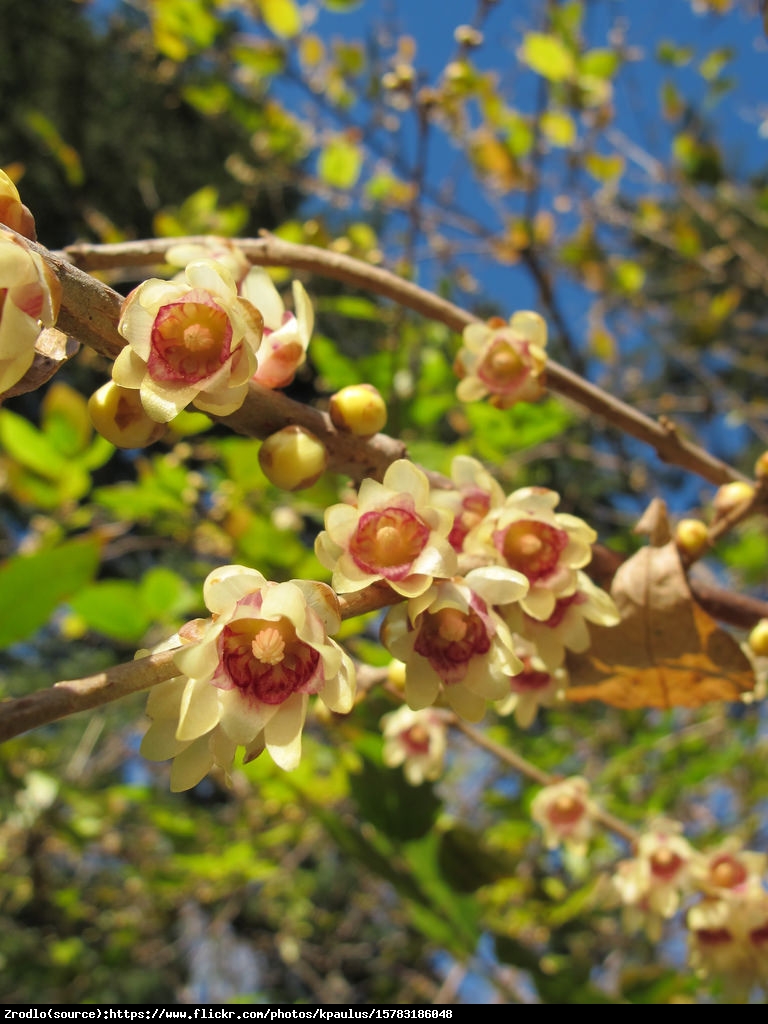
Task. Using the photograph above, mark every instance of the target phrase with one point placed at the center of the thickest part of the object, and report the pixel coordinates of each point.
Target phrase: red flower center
(529, 679)
(388, 541)
(474, 507)
(416, 739)
(665, 863)
(449, 639)
(565, 810)
(759, 936)
(531, 547)
(726, 872)
(503, 366)
(713, 936)
(266, 661)
(190, 340)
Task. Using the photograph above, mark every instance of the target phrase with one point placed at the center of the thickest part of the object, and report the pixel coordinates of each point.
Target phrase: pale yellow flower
(566, 628)
(652, 884)
(188, 341)
(13, 212)
(454, 644)
(548, 547)
(505, 361)
(247, 680)
(283, 348)
(417, 741)
(565, 813)
(533, 687)
(393, 533)
(474, 493)
(30, 295)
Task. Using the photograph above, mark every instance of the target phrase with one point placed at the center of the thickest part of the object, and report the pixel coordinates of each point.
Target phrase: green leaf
(30, 447)
(599, 63)
(629, 276)
(352, 306)
(340, 163)
(113, 608)
(559, 127)
(547, 56)
(282, 17)
(33, 586)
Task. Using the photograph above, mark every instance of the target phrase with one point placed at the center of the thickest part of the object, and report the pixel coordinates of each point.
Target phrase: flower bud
(119, 416)
(293, 458)
(730, 496)
(358, 409)
(758, 639)
(761, 466)
(691, 537)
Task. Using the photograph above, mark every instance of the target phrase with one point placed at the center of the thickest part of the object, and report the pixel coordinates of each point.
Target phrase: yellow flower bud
(691, 536)
(761, 466)
(293, 458)
(118, 415)
(758, 639)
(731, 495)
(358, 409)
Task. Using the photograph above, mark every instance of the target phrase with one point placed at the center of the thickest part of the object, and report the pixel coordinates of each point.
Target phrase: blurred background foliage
(503, 184)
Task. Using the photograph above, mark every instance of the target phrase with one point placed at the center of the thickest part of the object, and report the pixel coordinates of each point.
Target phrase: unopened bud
(758, 639)
(466, 35)
(358, 409)
(761, 466)
(119, 416)
(293, 458)
(691, 537)
(730, 496)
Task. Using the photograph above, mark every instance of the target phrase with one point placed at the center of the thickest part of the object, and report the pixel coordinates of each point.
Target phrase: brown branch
(533, 772)
(90, 311)
(73, 695)
(268, 250)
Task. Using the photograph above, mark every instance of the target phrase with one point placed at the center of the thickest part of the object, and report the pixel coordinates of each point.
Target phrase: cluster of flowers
(200, 339)
(498, 633)
(30, 294)
(722, 890)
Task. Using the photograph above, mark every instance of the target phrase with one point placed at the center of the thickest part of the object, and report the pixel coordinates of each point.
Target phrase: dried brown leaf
(666, 651)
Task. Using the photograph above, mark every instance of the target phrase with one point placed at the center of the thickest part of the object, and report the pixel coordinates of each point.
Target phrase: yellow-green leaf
(548, 56)
(282, 17)
(340, 163)
(558, 127)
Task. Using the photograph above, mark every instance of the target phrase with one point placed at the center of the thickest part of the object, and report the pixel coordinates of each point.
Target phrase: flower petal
(282, 734)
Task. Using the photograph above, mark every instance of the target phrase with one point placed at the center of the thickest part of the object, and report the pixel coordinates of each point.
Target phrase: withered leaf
(666, 651)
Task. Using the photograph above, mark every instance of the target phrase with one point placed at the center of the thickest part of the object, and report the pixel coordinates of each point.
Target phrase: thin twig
(533, 772)
(268, 250)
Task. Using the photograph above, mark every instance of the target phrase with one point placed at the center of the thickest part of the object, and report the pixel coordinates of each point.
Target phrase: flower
(286, 335)
(247, 680)
(729, 937)
(191, 340)
(565, 812)
(416, 740)
(30, 295)
(221, 250)
(533, 687)
(566, 627)
(453, 642)
(392, 534)
(474, 494)
(548, 547)
(653, 882)
(13, 212)
(728, 869)
(503, 361)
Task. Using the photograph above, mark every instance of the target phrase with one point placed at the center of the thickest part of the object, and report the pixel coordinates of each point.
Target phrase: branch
(73, 695)
(90, 311)
(268, 250)
(533, 772)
